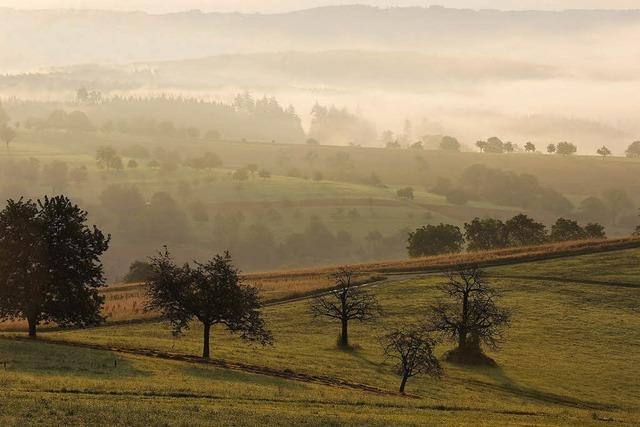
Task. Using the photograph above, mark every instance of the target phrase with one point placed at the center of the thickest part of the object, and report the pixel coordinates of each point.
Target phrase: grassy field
(570, 359)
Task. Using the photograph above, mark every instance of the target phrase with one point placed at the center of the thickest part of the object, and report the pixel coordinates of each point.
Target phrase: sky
(273, 6)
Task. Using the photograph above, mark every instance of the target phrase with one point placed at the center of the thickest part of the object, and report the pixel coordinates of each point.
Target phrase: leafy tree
(604, 152)
(566, 230)
(482, 145)
(634, 149)
(618, 202)
(593, 209)
(412, 348)
(551, 148)
(50, 268)
(139, 271)
(530, 147)
(345, 302)
(471, 316)
(240, 175)
(494, 145)
(524, 231)
(508, 147)
(107, 158)
(212, 293)
(435, 240)
(457, 197)
(405, 193)
(594, 231)
(484, 234)
(566, 148)
(7, 134)
(449, 143)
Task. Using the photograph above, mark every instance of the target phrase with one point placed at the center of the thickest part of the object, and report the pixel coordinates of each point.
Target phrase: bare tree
(412, 348)
(472, 317)
(346, 301)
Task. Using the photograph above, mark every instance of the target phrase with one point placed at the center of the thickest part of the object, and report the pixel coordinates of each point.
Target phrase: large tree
(50, 269)
(524, 231)
(412, 348)
(212, 293)
(634, 149)
(345, 302)
(566, 229)
(470, 316)
(434, 240)
(484, 234)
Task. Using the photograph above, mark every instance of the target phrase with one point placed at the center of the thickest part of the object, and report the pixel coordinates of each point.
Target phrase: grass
(570, 359)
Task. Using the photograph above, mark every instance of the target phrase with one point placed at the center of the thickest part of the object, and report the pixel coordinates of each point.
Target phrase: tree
(449, 143)
(132, 164)
(530, 147)
(508, 147)
(50, 269)
(566, 148)
(212, 293)
(471, 317)
(4, 117)
(594, 231)
(345, 302)
(494, 145)
(7, 134)
(593, 209)
(604, 152)
(435, 240)
(107, 158)
(618, 202)
(634, 149)
(139, 271)
(484, 234)
(565, 230)
(412, 347)
(524, 231)
(405, 193)
(482, 145)
(551, 148)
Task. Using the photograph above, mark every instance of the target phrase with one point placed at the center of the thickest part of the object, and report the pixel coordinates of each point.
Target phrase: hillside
(569, 359)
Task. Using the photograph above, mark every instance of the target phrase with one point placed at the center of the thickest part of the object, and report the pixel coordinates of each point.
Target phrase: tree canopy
(50, 269)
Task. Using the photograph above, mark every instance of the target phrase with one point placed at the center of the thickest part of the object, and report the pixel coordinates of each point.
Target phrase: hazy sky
(160, 6)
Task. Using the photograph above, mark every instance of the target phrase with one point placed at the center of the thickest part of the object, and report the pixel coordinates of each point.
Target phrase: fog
(311, 125)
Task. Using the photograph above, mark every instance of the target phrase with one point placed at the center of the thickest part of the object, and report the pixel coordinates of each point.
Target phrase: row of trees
(490, 233)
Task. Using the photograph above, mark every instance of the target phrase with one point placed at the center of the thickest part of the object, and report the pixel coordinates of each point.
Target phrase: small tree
(530, 147)
(595, 231)
(345, 302)
(435, 240)
(405, 193)
(634, 149)
(565, 230)
(7, 134)
(107, 158)
(471, 317)
(551, 148)
(412, 348)
(212, 293)
(604, 152)
(449, 143)
(50, 268)
(481, 145)
(566, 148)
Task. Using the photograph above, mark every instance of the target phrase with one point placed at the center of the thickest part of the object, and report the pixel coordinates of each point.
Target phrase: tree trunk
(405, 377)
(205, 346)
(32, 325)
(344, 337)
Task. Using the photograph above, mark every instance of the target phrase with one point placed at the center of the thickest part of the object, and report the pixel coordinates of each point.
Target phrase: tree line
(490, 233)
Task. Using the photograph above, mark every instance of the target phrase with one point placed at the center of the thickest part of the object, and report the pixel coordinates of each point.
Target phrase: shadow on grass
(47, 360)
(356, 352)
(227, 375)
(505, 384)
